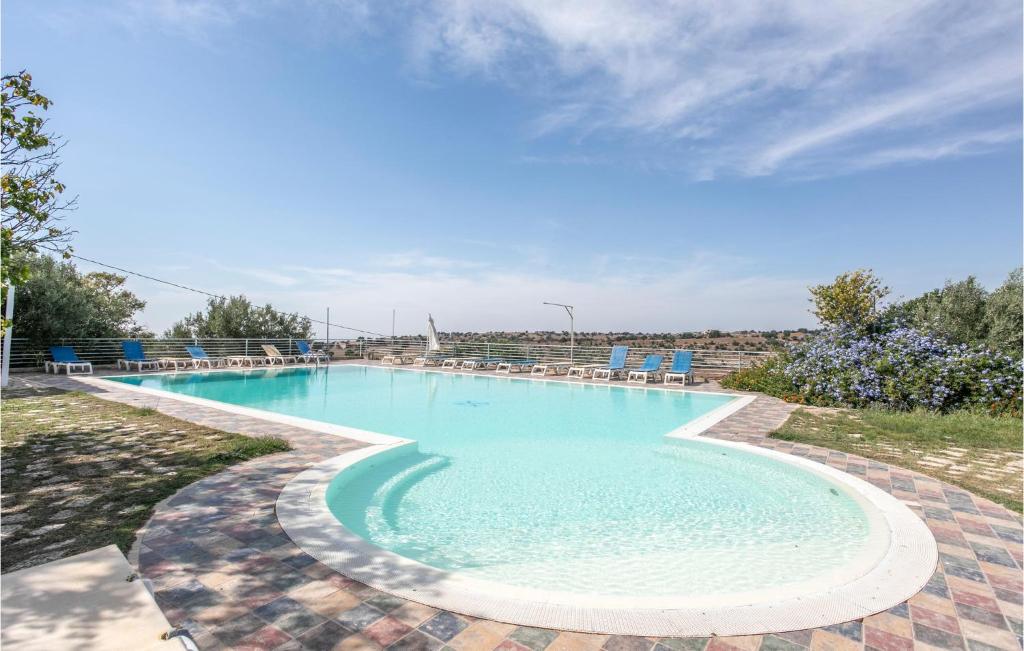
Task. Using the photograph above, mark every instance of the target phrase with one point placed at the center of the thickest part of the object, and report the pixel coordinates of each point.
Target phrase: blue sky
(664, 166)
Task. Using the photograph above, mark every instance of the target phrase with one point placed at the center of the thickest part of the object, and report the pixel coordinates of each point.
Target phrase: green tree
(851, 299)
(32, 202)
(1004, 313)
(238, 317)
(56, 301)
(956, 312)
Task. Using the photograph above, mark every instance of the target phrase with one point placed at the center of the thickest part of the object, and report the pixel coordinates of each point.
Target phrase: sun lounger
(274, 355)
(64, 357)
(616, 364)
(176, 362)
(200, 358)
(430, 359)
(480, 363)
(308, 355)
(246, 360)
(646, 371)
(394, 359)
(555, 368)
(582, 370)
(133, 354)
(515, 365)
(455, 362)
(682, 367)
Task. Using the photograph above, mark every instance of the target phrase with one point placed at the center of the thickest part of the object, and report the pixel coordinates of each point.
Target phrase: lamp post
(572, 327)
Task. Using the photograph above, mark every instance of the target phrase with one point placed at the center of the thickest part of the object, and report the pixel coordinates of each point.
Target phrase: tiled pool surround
(239, 568)
(897, 561)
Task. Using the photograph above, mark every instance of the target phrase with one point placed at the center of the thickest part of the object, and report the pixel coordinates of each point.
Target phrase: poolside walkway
(223, 567)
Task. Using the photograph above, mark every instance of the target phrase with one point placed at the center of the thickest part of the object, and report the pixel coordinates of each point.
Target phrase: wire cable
(212, 295)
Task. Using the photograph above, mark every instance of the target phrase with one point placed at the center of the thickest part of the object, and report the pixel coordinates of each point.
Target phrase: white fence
(25, 355)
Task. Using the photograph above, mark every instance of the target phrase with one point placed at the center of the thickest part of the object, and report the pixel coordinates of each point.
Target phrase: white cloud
(422, 261)
(711, 87)
(266, 275)
(615, 293)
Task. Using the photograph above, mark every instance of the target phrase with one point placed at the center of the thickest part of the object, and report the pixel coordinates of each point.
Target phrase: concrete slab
(81, 602)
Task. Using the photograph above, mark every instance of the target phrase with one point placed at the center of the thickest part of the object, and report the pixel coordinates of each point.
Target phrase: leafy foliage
(927, 353)
(1004, 312)
(851, 300)
(238, 317)
(55, 301)
(965, 313)
(902, 369)
(32, 197)
(767, 377)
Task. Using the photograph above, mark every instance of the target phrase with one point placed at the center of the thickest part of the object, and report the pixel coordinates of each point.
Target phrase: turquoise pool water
(560, 486)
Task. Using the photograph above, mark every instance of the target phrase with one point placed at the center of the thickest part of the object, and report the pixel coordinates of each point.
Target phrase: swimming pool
(554, 492)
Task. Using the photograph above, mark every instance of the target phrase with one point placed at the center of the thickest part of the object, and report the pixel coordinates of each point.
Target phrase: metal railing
(26, 355)
(720, 361)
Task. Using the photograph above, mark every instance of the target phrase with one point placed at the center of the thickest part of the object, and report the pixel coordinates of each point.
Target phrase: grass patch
(978, 452)
(79, 472)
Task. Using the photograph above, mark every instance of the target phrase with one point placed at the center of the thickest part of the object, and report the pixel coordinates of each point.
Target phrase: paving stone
(386, 630)
(625, 643)
(444, 626)
(937, 638)
(324, 636)
(536, 639)
(289, 616)
(359, 617)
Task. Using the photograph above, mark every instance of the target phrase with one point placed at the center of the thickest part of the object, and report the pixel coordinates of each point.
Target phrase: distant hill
(707, 340)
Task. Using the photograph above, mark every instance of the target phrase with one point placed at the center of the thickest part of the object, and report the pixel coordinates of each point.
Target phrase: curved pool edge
(904, 567)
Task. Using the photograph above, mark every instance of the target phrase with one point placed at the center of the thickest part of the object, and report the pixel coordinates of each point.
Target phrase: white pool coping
(900, 557)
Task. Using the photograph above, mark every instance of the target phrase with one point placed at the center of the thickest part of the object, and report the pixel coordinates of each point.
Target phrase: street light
(572, 327)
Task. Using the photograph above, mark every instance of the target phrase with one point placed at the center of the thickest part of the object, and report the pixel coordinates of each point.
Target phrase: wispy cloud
(266, 275)
(726, 87)
(692, 293)
(417, 260)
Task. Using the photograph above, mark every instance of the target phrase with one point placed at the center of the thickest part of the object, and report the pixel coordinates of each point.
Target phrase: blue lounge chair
(648, 370)
(682, 367)
(307, 354)
(133, 354)
(65, 357)
(200, 358)
(616, 364)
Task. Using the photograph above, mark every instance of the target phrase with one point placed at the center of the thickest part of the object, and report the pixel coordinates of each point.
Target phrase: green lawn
(976, 451)
(80, 472)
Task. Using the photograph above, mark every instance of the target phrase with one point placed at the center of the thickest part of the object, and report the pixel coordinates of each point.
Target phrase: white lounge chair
(583, 370)
(515, 365)
(555, 368)
(274, 355)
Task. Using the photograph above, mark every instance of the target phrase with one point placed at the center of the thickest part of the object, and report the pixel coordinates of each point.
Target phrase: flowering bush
(902, 368)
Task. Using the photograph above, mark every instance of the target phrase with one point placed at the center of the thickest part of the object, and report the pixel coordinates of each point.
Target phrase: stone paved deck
(223, 567)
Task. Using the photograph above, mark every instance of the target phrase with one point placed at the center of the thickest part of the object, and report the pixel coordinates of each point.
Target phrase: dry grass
(974, 451)
(79, 472)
